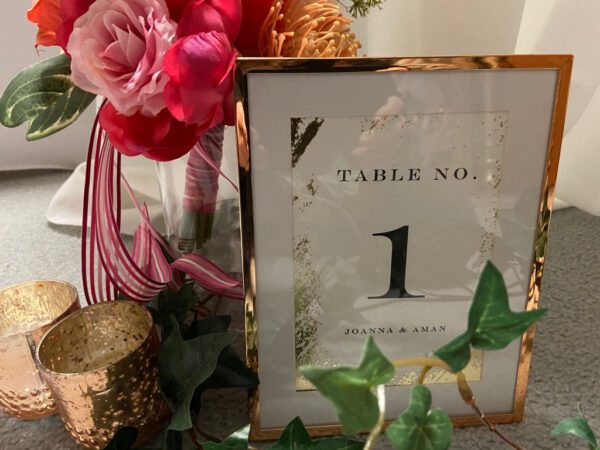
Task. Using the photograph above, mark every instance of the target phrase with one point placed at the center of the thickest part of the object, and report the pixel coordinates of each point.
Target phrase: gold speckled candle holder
(27, 311)
(101, 365)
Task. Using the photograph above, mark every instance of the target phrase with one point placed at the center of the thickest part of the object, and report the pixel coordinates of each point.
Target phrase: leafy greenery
(184, 365)
(236, 441)
(170, 309)
(198, 356)
(492, 325)
(577, 426)
(419, 427)
(172, 303)
(296, 437)
(231, 371)
(208, 325)
(351, 389)
(360, 8)
(44, 96)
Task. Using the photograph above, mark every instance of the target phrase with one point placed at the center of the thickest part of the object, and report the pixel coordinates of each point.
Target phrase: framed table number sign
(373, 191)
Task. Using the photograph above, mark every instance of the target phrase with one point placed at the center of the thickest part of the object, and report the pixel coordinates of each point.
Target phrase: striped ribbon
(109, 269)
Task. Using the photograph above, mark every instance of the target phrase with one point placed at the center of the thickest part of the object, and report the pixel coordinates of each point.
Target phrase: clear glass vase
(200, 207)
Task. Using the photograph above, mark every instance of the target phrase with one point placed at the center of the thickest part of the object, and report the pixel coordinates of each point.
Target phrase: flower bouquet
(163, 71)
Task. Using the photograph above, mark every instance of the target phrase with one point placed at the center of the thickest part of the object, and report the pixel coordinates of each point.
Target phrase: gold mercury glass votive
(27, 311)
(101, 365)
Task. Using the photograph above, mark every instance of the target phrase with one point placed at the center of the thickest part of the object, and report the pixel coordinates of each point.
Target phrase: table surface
(565, 368)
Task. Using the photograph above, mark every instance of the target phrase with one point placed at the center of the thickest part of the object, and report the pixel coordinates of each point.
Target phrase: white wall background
(402, 28)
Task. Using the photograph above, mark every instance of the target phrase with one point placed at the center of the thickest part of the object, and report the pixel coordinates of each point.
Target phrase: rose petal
(159, 137)
(200, 70)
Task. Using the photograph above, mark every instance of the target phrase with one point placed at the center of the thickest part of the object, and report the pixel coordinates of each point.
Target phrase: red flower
(55, 19)
(70, 11)
(202, 16)
(254, 12)
(176, 8)
(45, 13)
(200, 70)
(161, 137)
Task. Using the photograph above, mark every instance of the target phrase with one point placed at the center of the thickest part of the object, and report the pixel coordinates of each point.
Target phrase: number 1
(399, 239)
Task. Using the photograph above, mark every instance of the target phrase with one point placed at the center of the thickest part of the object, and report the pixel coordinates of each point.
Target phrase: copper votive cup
(27, 311)
(100, 363)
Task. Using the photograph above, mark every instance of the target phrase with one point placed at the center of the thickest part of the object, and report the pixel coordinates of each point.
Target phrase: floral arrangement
(165, 67)
(165, 71)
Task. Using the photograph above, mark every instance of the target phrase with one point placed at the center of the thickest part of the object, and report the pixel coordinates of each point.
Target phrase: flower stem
(428, 361)
(464, 389)
(467, 395)
(376, 431)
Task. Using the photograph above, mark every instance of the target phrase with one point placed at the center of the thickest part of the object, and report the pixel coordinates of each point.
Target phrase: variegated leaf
(44, 96)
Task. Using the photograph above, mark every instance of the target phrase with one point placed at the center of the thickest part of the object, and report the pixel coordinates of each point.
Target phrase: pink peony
(200, 68)
(117, 49)
(159, 137)
(211, 15)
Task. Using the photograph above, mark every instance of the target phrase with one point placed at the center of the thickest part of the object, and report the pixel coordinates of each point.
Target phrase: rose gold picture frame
(562, 64)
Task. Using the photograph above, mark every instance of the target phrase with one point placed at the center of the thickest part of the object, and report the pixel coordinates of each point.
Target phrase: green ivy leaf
(44, 96)
(184, 365)
(236, 441)
(577, 426)
(351, 389)
(123, 439)
(231, 371)
(492, 325)
(208, 325)
(172, 303)
(295, 437)
(419, 427)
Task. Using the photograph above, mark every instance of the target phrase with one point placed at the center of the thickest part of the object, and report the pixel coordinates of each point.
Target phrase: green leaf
(577, 426)
(172, 303)
(207, 325)
(457, 353)
(231, 372)
(492, 325)
(123, 439)
(184, 365)
(360, 8)
(419, 427)
(44, 96)
(351, 389)
(295, 437)
(236, 441)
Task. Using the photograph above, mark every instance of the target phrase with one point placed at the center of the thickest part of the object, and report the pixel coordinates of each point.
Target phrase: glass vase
(200, 206)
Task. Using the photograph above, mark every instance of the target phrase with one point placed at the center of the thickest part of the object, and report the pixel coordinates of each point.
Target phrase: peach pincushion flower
(307, 28)
(117, 49)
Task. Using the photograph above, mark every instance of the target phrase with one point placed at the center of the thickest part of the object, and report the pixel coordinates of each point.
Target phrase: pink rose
(117, 49)
(211, 15)
(200, 70)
